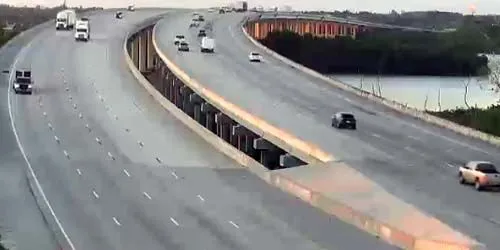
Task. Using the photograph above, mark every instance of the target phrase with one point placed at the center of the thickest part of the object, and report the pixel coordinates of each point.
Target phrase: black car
(202, 33)
(183, 46)
(119, 15)
(344, 120)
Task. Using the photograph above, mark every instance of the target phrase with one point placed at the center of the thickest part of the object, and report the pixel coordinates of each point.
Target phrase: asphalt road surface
(21, 222)
(415, 161)
(121, 173)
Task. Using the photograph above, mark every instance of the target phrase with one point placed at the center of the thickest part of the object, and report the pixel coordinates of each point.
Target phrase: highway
(121, 173)
(21, 223)
(413, 160)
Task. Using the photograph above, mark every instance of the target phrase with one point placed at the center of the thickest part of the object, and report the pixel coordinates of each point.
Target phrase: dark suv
(344, 120)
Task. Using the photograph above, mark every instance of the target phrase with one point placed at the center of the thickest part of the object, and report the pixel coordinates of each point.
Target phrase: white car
(480, 173)
(255, 57)
(178, 39)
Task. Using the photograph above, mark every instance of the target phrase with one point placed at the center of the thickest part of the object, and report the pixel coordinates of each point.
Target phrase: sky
(381, 6)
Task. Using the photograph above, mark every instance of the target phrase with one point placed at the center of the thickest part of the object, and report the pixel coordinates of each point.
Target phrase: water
(414, 90)
(433, 92)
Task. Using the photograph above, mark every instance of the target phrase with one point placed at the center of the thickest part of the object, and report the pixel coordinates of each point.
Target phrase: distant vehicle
(183, 46)
(202, 33)
(82, 32)
(84, 19)
(207, 45)
(194, 23)
(131, 8)
(344, 120)
(201, 18)
(221, 11)
(65, 20)
(241, 6)
(23, 82)
(255, 57)
(119, 15)
(482, 174)
(178, 39)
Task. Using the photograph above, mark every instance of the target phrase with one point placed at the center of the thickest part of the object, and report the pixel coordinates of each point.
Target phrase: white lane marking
(116, 117)
(95, 194)
(116, 221)
(100, 98)
(111, 156)
(376, 135)
(57, 139)
(67, 89)
(234, 224)
(449, 150)
(79, 171)
(40, 104)
(98, 140)
(451, 165)
(414, 138)
(173, 174)
(88, 127)
(70, 97)
(50, 126)
(174, 221)
(66, 153)
(80, 115)
(45, 114)
(158, 160)
(200, 197)
(410, 149)
(147, 195)
(74, 106)
(32, 172)
(126, 172)
(140, 144)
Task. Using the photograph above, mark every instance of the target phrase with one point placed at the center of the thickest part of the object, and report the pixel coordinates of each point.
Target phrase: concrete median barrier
(401, 108)
(333, 187)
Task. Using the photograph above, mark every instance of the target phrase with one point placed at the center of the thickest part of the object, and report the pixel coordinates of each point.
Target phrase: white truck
(482, 174)
(207, 45)
(65, 20)
(82, 32)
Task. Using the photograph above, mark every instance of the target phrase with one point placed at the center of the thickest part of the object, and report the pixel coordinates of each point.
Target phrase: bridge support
(209, 111)
(269, 153)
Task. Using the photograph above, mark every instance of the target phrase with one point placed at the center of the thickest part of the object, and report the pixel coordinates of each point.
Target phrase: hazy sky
(482, 6)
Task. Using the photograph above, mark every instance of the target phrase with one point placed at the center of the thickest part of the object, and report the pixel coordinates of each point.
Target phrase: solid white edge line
(79, 171)
(16, 135)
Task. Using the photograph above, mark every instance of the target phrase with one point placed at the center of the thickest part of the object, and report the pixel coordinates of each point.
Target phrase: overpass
(261, 23)
(119, 172)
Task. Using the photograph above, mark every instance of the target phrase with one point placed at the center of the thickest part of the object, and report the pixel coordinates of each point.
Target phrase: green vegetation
(385, 52)
(485, 120)
(1, 245)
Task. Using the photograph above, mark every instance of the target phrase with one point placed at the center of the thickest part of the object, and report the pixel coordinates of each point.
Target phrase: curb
(204, 133)
(457, 128)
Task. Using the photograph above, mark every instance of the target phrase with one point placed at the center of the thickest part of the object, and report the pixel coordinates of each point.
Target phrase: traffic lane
(135, 220)
(428, 167)
(210, 219)
(21, 221)
(87, 222)
(364, 161)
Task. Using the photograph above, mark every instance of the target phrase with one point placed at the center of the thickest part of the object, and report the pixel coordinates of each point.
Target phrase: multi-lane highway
(413, 160)
(121, 173)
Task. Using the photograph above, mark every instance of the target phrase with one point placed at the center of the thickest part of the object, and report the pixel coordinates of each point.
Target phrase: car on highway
(183, 46)
(131, 8)
(482, 174)
(202, 33)
(22, 82)
(344, 120)
(119, 15)
(254, 57)
(178, 39)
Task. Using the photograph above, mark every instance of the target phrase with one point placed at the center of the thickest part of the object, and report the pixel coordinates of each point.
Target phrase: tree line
(486, 120)
(389, 52)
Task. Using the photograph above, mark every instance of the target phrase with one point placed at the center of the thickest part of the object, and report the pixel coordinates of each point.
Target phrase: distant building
(285, 8)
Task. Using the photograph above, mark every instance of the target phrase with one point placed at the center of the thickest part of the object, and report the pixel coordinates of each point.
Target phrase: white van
(207, 44)
(65, 20)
